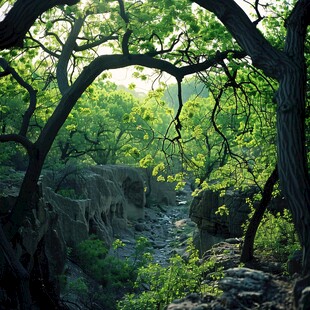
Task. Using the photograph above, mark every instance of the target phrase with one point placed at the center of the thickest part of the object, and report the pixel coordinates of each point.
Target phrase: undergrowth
(156, 286)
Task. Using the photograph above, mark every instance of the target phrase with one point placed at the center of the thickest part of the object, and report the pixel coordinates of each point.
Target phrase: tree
(288, 67)
(71, 50)
(160, 44)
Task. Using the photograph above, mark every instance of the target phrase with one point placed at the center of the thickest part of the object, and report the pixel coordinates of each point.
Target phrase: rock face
(212, 226)
(107, 196)
(103, 199)
(161, 193)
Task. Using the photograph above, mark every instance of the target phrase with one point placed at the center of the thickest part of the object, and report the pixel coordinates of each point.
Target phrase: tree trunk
(292, 154)
(292, 159)
(291, 142)
(26, 199)
(19, 274)
(248, 245)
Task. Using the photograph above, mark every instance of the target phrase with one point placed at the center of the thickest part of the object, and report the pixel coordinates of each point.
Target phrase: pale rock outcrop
(108, 196)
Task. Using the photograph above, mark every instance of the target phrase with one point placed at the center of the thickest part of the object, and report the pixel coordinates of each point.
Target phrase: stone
(304, 302)
(294, 263)
(214, 227)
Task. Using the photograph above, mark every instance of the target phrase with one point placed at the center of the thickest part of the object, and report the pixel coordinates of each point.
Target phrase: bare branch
(102, 39)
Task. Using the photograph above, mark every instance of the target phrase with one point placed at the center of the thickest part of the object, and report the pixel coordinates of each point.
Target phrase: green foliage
(114, 275)
(107, 270)
(276, 236)
(166, 283)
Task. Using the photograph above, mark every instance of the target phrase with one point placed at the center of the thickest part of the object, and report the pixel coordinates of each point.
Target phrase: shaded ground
(259, 285)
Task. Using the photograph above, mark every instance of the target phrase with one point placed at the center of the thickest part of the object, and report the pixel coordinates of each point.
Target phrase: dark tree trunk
(20, 276)
(292, 159)
(291, 142)
(247, 253)
(288, 67)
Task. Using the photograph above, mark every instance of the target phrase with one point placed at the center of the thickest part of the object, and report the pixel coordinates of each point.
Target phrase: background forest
(235, 116)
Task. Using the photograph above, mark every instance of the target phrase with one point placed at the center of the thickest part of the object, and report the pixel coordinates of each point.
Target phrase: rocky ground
(259, 285)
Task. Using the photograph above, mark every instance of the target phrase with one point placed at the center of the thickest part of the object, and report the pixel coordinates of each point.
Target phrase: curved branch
(251, 40)
(125, 42)
(92, 71)
(32, 93)
(43, 47)
(69, 46)
(122, 11)
(248, 246)
(26, 143)
(21, 17)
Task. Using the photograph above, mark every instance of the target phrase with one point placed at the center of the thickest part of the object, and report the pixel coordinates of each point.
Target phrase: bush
(157, 285)
(276, 236)
(114, 275)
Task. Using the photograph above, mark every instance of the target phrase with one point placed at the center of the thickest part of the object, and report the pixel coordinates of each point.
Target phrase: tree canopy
(56, 97)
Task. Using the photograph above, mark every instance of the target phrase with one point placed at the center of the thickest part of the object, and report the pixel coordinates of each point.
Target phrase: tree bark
(247, 253)
(292, 154)
(21, 17)
(20, 274)
(288, 67)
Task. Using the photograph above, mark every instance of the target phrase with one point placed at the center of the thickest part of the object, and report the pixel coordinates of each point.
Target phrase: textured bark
(20, 275)
(21, 17)
(247, 253)
(292, 156)
(288, 67)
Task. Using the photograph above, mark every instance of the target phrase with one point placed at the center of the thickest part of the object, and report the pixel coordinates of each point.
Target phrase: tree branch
(69, 46)
(21, 17)
(244, 31)
(26, 143)
(32, 93)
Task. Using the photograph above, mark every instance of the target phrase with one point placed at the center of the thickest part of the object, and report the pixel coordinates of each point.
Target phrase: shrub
(276, 236)
(158, 285)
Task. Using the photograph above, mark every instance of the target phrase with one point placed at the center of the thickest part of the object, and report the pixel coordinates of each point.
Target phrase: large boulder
(242, 288)
(213, 225)
(158, 193)
(219, 216)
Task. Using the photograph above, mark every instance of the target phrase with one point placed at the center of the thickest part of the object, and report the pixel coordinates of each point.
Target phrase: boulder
(160, 193)
(214, 227)
(242, 288)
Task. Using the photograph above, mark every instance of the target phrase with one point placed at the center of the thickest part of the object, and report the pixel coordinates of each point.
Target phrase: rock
(214, 227)
(159, 245)
(244, 279)
(294, 263)
(140, 227)
(304, 302)
(111, 195)
(243, 288)
(158, 193)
